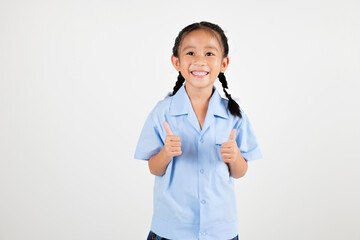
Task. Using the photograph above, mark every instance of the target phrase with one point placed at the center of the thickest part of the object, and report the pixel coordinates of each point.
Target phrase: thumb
(167, 128)
(232, 135)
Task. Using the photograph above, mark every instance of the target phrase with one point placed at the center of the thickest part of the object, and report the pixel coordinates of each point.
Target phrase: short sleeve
(150, 142)
(247, 141)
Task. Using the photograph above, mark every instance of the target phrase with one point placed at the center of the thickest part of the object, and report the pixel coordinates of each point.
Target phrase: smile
(199, 73)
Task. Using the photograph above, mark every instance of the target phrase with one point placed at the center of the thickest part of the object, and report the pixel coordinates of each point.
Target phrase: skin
(199, 57)
(199, 51)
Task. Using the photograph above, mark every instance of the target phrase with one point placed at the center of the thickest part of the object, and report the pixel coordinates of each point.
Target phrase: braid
(233, 107)
(178, 84)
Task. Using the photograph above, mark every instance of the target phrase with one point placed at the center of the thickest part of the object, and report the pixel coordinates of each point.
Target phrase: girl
(196, 143)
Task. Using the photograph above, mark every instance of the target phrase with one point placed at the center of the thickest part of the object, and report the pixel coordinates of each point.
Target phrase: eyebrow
(211, 47)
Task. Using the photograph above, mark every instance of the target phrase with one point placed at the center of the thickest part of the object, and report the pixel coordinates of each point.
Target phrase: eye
(190, 53)
(209, 53)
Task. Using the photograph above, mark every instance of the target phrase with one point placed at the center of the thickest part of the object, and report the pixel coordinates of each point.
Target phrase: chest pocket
(221, 168)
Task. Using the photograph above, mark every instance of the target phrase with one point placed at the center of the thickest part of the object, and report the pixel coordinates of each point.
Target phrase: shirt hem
(177, 231)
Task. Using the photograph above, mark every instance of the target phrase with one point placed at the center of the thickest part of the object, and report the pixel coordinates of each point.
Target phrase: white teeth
(199, 73)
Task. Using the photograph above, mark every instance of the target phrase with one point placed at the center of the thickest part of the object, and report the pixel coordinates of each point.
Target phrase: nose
(199, 60)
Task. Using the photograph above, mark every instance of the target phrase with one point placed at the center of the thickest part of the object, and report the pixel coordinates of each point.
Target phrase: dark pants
(153, 236)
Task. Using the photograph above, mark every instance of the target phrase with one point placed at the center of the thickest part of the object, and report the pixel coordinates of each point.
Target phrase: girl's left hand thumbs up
(230, 150)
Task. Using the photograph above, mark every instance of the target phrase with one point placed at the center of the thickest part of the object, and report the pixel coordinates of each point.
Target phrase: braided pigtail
(233, 107)
(178, 84)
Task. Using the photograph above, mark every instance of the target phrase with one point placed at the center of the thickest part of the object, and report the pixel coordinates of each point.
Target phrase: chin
(200, 85)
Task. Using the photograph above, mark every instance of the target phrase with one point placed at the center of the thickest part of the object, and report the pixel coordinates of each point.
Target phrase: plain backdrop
(78, 79)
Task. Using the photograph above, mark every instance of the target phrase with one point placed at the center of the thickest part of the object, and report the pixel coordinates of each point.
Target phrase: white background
(78, 79)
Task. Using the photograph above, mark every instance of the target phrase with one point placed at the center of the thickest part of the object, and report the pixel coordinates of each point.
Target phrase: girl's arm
(239, 167)
(159, 162)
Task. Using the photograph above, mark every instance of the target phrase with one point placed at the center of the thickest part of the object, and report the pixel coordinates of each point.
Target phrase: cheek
(215, 63)
(186, 59)
(185, 64)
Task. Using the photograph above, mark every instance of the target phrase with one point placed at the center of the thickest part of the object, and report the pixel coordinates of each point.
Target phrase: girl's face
(200, 59)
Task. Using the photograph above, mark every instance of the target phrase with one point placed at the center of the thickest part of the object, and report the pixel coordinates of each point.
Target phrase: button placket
(203, 178)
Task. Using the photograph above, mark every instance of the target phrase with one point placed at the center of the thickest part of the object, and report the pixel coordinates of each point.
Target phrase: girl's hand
(172, 145)
(230, 150)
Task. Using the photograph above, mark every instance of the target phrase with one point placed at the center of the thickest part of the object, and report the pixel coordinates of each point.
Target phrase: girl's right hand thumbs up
(172, 145)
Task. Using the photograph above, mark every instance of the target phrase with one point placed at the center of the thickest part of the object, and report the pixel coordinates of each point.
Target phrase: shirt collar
(181, 103)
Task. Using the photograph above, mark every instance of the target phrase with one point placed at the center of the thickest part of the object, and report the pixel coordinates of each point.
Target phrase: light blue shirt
(195, 198)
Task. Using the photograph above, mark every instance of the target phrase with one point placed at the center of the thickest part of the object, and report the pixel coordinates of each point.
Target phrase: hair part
(218, 33)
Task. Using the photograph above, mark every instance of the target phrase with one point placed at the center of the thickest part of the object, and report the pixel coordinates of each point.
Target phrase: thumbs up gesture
(230, 150)
(172, 145)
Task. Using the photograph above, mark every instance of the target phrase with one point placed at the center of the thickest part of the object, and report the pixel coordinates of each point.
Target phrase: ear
(224, 64)
(175, 62)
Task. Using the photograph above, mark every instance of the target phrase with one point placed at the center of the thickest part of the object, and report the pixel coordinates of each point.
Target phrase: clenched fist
(172, 145)
(229, 150)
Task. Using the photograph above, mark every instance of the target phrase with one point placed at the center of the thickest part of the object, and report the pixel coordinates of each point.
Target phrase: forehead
(201, 38)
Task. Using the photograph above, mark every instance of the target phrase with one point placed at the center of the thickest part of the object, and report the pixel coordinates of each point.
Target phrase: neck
(199, 95)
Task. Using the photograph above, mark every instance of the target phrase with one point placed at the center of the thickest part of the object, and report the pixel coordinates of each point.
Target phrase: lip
(197, 76)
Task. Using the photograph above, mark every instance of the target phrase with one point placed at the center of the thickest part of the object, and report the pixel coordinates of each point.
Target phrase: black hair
(233, 107)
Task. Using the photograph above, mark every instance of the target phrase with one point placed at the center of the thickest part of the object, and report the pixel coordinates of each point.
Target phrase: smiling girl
(196, 143)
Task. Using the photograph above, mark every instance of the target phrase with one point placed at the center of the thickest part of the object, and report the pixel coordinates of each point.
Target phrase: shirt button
(203, 233)
(203, 201)
(201, 140)
(202, 170)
